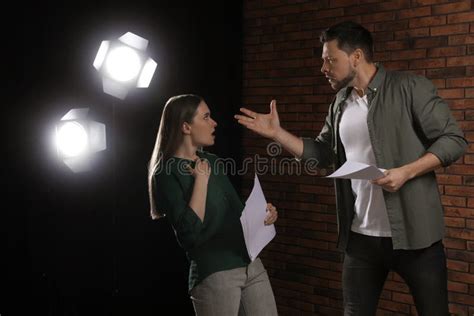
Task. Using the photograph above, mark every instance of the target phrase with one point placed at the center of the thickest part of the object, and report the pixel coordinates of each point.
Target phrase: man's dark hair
(350, 36)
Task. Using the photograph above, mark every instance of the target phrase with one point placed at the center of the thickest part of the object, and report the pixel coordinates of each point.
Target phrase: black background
(84, 244)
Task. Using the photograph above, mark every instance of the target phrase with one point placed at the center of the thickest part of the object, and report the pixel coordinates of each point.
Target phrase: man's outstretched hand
(265, 125)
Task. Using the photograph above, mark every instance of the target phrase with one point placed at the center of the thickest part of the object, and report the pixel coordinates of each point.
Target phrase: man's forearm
(290, 142)
(426, 163)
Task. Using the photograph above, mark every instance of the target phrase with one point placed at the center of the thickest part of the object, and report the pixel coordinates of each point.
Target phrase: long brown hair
(178, 110)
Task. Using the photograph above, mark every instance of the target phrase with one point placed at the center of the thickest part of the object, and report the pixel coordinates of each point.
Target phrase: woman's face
(202, 127)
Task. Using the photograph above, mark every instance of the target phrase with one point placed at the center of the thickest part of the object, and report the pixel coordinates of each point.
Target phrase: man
(395, 121)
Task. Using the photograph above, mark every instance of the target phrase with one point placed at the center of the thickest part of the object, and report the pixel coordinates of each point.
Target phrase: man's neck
(365, 74)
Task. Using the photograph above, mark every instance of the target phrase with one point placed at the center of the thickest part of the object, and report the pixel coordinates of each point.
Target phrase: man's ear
(186, 128)
(357, 57)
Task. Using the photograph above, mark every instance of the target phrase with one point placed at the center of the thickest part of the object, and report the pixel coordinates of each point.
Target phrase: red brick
(461, 190)
(392, 5)
(451, 93)
(468, 180)
(458, 116)
(396, 286)
(313, 5)
(453, 201)
(469, 137)
(394, 307)
(470, 93)
(461, 17)
(461, 39)
(395, 45)
(414, 12)
(439, 83)
(462, 256)
(422, 32)
(427, 2)
(284, 10)
(390, 26)
(292, 285)
(458, 287)
(460, 61)
(469, 159)
(446, 72)
(397, 65)
(402, 298)
(461, 277)
(454, 243)
(382, 56)
(447, 51)
(452, 7)
(449, 29)
(460, 82)
(470, 70)
(378, 17)
(427, 63)
(470, 223)
(341, 3)
(409, 54)
(461, 233)
(456, 265)
(461, 298)
(462, 104)
(449, 179)
(467, 126)
(383, 36)
(428, 42)
(427, 21)
(458, 310)
(455, 222)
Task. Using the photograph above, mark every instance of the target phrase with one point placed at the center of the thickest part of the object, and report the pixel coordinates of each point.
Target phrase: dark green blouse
(217, 243)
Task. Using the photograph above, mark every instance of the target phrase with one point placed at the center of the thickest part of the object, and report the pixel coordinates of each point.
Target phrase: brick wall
(434, 38)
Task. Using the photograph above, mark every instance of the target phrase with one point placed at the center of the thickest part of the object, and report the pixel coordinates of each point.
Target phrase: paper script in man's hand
(357, 170)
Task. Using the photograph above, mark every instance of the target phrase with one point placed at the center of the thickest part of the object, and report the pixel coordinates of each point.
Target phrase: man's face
(337, 66)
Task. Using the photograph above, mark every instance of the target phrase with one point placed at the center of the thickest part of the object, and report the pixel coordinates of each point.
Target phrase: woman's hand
(272, 214)
(201, 171)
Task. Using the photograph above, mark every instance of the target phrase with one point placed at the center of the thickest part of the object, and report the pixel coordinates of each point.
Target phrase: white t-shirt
(371, 213)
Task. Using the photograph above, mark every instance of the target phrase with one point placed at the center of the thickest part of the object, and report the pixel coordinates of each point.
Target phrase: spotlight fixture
(124, 65)
(77, 138)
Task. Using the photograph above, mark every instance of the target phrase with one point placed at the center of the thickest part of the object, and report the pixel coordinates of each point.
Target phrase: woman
(188, 186)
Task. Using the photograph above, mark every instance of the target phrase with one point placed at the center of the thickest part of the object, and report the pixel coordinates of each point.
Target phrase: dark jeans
(367, 262)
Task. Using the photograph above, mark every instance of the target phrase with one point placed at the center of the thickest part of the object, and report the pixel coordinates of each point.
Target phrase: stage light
(124, 64)
(78, 138)
(72, 139)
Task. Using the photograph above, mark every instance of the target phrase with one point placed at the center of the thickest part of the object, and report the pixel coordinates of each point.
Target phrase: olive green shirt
(212, 245)
(406, 119)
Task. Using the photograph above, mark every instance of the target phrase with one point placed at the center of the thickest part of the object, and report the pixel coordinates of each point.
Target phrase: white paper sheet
(256, 234)
(357, 170)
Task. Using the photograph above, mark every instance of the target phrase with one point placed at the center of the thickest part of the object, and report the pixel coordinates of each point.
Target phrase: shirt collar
(376, 82)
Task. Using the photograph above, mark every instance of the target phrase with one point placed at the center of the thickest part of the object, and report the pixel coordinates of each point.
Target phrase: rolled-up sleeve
(171, 200)
(445, 138)
(320, 148)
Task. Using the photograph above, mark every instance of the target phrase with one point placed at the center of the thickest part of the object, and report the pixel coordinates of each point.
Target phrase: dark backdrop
(83, 244)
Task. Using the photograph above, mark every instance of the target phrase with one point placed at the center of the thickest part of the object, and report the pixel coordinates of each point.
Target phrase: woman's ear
(186, 128)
